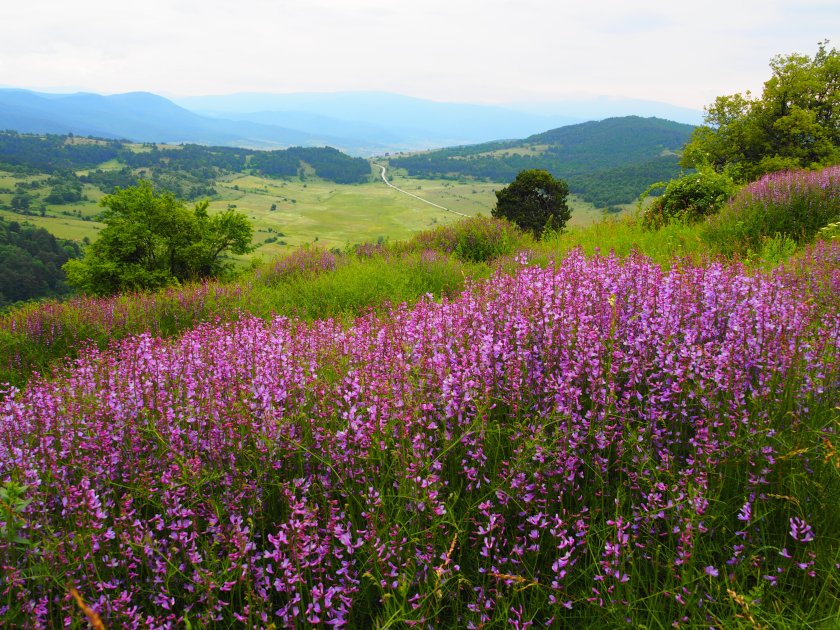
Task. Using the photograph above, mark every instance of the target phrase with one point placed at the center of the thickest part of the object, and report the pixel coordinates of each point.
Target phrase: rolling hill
(606, 162)
(358, 123)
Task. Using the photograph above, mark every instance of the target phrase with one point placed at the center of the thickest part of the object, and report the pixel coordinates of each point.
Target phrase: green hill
(192, 162)
(606, 162)
(30, 263)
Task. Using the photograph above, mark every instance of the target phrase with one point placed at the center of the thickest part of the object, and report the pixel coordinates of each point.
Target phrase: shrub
(477, 239)
(689, 198)
(794, 204)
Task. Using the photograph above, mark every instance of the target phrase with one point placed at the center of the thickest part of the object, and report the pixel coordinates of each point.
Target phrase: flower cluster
(786, 204)
(556, 441)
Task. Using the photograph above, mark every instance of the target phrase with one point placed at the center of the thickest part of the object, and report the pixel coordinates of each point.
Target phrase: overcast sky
(490, 51)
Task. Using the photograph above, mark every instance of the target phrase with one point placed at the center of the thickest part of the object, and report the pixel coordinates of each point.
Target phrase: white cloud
(495, 50)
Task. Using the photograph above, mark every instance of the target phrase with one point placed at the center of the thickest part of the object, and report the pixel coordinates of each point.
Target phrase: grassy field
(70, 221)
(309, 211)
(335, 215)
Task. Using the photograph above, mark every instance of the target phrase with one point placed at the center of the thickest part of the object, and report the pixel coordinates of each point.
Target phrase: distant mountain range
(359, 123)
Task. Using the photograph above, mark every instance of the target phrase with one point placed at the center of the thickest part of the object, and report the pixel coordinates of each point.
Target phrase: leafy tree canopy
(794, 124)
(534, 201)
(152, 240)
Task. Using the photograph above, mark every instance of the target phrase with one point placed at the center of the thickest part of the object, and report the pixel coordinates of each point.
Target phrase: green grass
(624, 235)
(59, 226)
(307, 212)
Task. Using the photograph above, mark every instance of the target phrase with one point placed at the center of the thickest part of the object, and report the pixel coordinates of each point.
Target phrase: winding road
(405, 192)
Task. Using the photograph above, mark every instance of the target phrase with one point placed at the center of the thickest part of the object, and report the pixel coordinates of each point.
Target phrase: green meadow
(305, 211)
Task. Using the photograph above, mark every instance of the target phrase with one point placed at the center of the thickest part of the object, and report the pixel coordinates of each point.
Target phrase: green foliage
(689, 199)
(794, 124)
(53, 153)
(30, 263)
(534, 201)
(152, 241)
(327, 162)
(477, 239)
(66, 188)
(788, 206)
(188, 171)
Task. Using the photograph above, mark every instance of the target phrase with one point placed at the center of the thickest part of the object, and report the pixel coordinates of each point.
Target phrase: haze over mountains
(359, 123)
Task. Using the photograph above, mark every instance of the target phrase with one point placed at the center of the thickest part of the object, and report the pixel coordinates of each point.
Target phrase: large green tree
(152, 240)
(534, 201)
(794, 124)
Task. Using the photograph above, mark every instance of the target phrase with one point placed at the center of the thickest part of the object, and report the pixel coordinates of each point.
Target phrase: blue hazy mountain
(138, 116)
(402, 122)
(359, 123)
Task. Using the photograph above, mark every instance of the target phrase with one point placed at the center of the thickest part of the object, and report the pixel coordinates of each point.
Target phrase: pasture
(305, 211)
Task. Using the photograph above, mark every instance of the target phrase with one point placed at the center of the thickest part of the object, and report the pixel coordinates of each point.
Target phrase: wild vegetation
(428, 464)
(151, 241)
(369, 437)
(794, 124)
(30, 263)
(689, 198)
(792, 205)
(635, 423)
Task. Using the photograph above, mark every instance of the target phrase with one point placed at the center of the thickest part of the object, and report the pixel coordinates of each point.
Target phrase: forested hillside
(188, 171)
(30, 263)
(606, 162)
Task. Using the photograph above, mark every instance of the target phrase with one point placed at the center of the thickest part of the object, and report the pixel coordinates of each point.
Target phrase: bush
(793, 204)
(689, 198)
(477, 239)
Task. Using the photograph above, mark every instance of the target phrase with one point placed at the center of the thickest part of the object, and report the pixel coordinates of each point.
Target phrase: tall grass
(476, 239)
(308, 283)
(597, 442)
(626, 235)
(791, 205)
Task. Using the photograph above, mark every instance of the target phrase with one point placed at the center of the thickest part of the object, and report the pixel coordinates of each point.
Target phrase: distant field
(310, 211)
(60, 226)
(70, 221)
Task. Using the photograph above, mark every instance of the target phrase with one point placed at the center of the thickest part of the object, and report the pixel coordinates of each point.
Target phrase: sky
(479, 51)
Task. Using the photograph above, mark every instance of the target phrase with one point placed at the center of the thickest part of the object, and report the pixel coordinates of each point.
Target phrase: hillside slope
(606, 162)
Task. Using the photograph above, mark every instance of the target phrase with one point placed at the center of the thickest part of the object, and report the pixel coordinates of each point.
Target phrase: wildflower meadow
(596, 441)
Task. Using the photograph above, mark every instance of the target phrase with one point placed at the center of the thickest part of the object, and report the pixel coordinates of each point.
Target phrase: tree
(21, 202)
(795, 123)
(534, 201)
(152, 240)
